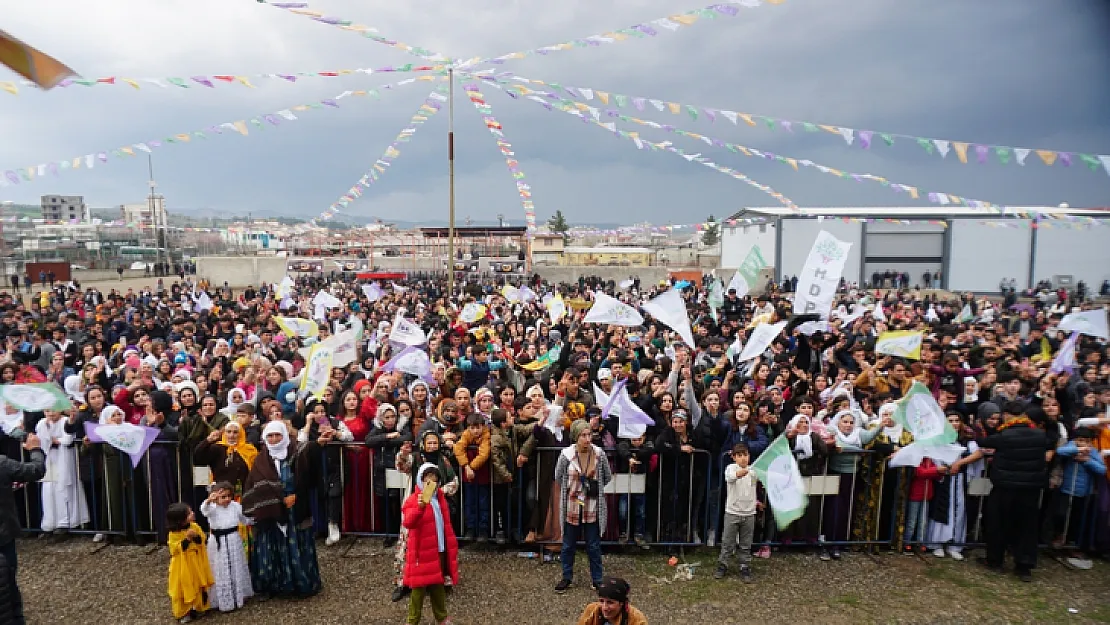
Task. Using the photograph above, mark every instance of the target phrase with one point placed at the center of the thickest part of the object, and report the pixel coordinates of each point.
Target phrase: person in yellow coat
(190, 575)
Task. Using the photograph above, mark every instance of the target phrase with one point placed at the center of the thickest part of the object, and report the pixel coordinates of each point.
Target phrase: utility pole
(451, 181)
(153, 205)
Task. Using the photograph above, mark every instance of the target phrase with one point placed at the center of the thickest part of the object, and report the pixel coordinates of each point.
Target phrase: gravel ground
(72, 582)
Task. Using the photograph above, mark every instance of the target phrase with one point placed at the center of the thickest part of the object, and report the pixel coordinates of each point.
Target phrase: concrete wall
(241, 271)
(647, 275)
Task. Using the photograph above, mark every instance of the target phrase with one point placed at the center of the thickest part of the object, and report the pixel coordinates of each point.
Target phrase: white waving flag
(412, 360)
(372, 291)
(610, 310)
(670, 309)
(1091, 322)
(632, 422)
(556, 308)
(821, 275)
(344, 348)
(760, 339)
(406, 332)
(35, 397)
(201, 302)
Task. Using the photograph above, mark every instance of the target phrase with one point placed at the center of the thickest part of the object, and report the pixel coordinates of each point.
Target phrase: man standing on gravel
(12, 472)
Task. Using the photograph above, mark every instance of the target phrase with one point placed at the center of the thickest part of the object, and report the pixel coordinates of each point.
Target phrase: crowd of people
(505, 440)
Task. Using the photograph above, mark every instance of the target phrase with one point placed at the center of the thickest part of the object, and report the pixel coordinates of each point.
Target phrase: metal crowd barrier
(684, 508)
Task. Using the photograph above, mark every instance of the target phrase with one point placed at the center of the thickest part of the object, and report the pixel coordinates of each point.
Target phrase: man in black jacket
(1018, 475)
(12, 472)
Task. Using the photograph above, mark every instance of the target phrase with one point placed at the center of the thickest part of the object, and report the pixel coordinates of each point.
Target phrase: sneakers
(400, 593)
(955, 555)
(907, 550)
(721, 571)
(764, 552)
(99, 538)
(333, 534)
(563, 586)
(824, 554)
(938, 552)
(623, 539)
(835, 553)
(500, 538)
(746, 574)
(697, 539)
(640, 542)
(709, 542)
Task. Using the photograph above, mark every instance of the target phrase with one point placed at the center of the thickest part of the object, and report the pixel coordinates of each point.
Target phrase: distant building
(547, 248)
(608, 256)
(64, 208)
(140, 213)
(971, 249)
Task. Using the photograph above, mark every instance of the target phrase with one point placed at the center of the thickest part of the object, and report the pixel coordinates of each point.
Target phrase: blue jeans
(591, 533)
(639, 518)
(915, 525)
(476, 508)
(8, 551)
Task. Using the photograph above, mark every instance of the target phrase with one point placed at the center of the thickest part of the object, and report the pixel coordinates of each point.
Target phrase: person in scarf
(278, 498)
(1018, 474)
(582, 473)
(228, 455)
(810, 451)
(433, 553)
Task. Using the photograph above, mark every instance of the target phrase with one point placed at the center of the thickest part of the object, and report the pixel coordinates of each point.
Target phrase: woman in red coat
(433, 551)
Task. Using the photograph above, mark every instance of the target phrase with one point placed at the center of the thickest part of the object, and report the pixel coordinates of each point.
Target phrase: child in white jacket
(741, 504)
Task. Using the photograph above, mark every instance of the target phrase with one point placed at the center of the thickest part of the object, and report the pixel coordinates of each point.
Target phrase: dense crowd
(502, 437)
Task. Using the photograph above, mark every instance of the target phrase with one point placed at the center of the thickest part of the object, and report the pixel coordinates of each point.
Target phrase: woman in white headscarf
(75, 388)
(278, 497)
(810, 452)
(881, 490)
(850, 439)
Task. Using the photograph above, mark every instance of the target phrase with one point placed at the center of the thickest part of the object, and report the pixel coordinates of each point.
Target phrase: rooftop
(902, 212)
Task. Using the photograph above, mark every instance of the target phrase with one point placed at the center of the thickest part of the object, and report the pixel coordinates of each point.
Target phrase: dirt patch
(71, 582)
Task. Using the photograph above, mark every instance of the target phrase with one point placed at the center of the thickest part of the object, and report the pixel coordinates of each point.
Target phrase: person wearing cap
(612, 606)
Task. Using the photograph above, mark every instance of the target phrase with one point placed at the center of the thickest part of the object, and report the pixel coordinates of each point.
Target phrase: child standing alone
(190, 577)
(741, 505)
(226, 555)
(432, 556)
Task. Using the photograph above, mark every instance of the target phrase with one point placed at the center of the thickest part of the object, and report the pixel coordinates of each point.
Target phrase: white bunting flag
(760, 339)
(670, 310)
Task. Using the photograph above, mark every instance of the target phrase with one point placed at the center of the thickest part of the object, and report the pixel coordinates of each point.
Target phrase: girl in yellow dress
(190, 575)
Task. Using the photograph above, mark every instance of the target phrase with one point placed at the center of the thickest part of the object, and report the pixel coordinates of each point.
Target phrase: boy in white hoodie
(741, 505)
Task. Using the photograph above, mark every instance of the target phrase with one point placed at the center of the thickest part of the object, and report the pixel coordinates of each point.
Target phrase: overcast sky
(1023, 73)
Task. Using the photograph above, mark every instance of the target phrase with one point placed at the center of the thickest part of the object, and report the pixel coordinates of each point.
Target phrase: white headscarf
(107, 413)
(278, 451)
(969, 398)
(893, 433)
(803, 445)
(847, 440)
(73, 386)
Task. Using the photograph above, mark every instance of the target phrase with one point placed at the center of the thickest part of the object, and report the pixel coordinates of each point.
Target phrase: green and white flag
(747, 276)
(786, 492)
(933, 436)
(919, 413)
(716, 298)
(965, 316)
(35, 397)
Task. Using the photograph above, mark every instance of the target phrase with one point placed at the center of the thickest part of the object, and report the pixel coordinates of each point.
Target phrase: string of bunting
(428, 108)
(852, 136)
(651, 28)
(596, 113)
(523, 189)
(241, 126)
(212, 81)
(941, 198)
(302, 9)
(634, 137)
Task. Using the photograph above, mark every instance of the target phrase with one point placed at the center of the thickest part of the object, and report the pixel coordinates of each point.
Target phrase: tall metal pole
(451, 183)
(153, 209)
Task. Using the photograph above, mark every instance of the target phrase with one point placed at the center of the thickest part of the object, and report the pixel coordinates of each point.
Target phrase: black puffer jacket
(1019, 457)
(14, 471)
